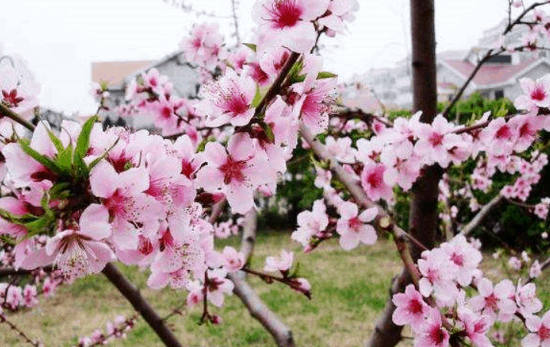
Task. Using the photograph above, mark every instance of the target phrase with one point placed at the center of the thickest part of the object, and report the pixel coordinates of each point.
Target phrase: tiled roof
(115, 71)
(489, 73)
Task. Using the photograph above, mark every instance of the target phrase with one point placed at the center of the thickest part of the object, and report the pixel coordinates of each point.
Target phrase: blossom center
(437, 335)
(234, 103)
(117, 203)
(436, 139)
(285, 13)
(374, 179)
(11, 97)
(491, 302)
(504, 132)
(538, 94)
(415, 307)
(145, 246)
(544, 332)
(355, 224)
(458, 259)
(525, 130)
(166, 112)
(233, 170)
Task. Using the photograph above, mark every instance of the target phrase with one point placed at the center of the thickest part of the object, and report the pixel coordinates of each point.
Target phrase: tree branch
(6, 112)
(235, 21)
(480, 216)
(249, 233)
(19, 332)
(258, 310)
(132, 294)
(534, 5)
(458, 95)
(9, 271)
(383, 221)
(385, 331)
(274, 89)
(262, 313)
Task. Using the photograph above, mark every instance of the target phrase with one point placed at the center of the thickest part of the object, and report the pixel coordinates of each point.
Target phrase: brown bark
(132, 294)
(423, 208)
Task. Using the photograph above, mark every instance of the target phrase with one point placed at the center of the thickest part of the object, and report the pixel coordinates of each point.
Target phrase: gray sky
(61, 38)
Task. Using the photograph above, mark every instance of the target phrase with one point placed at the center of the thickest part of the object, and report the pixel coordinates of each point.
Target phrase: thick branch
(249, 233)
(385, 331)
(6, 112)
(132, 294)
(480, 216)
(423, 216)
(271, 322)
(262, 313)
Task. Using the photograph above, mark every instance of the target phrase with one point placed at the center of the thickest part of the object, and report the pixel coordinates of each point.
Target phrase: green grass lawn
(349, 291)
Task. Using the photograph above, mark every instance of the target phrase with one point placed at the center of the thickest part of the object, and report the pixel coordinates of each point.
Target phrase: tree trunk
(423, 209)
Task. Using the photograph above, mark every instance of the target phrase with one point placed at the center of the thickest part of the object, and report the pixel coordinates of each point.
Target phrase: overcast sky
(61, 38)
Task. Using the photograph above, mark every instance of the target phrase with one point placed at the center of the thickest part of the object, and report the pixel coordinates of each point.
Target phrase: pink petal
(102, 255)
(368, 235)
(531, 340)
(158, 280)
(240, 198)
(368, 215)
(215, 154)
(349, 241)
(240, 146)
(104, 180)
(135, 180)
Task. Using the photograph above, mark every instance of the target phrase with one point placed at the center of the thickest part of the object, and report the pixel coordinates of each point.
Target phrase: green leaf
(251, 46)
(101, 157)
(257, 97)
(39, 226)
(298, 79)
(325, 74)
(294, 73)
(65, 158)
(83, 141)
(56, 141)
(80, 168)
(7, 240)
(104, 85)
(320, 76)
(295, 272)
(202, 145)
(268, 132)
(42, 159)
(60, 190)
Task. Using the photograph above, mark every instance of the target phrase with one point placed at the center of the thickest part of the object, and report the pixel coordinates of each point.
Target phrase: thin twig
(20, 332)
(274, 89)
(480, 216)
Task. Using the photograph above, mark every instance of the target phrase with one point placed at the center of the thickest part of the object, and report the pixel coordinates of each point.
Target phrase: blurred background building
(499, 77)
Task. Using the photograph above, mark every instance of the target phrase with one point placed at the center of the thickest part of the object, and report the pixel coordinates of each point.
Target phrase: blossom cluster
(18, 86)
(442, 309)
(85, 196)
(116, 329)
